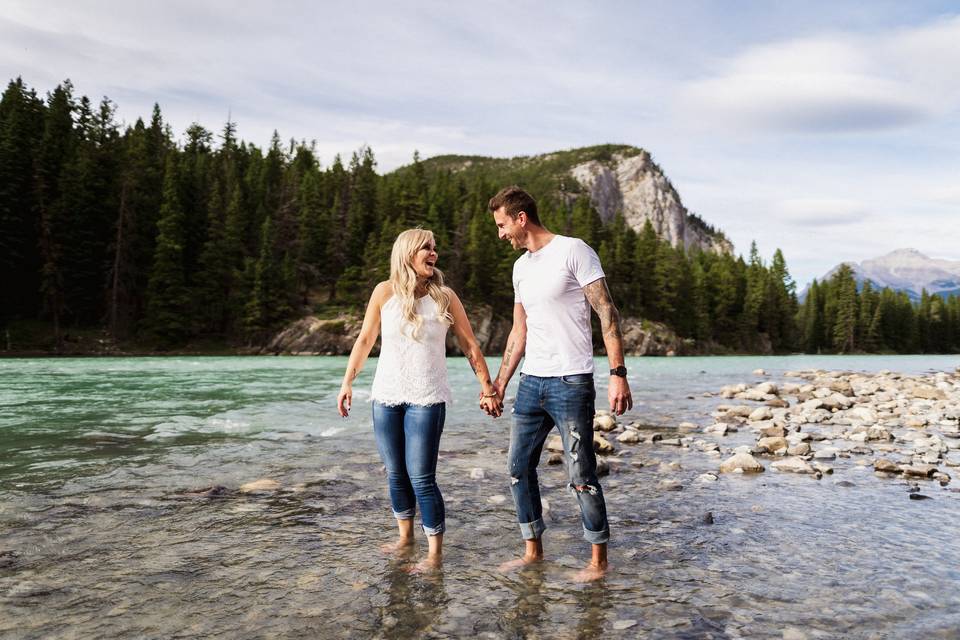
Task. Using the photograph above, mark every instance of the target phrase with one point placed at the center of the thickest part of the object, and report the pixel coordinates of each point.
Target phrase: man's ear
(522, 221)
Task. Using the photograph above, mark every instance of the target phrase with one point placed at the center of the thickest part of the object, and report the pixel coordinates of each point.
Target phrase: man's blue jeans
(566, 402)
(408, 438)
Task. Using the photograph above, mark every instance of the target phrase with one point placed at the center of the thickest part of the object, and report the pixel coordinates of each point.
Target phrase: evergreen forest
(162, 242)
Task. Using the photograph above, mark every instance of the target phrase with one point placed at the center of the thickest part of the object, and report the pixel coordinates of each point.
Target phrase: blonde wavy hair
(403, 280)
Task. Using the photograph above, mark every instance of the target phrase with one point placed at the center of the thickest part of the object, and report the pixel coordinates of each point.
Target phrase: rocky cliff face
(313, 336)
(635, 185)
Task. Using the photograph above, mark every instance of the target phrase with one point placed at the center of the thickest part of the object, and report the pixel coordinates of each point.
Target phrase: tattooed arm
(490, 401)
(598, 295)
(513, 353)
(361, 348)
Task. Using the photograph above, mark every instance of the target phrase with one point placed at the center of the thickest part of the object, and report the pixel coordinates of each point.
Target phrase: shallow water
(105, 532)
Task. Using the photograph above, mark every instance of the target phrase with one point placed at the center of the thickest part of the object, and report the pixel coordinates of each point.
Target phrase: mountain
(615, 178)
(910, 271)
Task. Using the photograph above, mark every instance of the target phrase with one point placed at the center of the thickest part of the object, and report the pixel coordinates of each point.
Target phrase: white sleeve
(585, 263)
(516, 289)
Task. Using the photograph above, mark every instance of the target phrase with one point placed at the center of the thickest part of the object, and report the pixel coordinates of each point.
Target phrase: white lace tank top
(411, 371)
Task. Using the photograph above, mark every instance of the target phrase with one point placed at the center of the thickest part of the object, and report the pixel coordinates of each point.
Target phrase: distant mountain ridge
(910, 271)
(616, 178)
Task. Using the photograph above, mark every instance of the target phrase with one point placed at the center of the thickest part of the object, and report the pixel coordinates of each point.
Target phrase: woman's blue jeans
(408, 438)
(565, 402)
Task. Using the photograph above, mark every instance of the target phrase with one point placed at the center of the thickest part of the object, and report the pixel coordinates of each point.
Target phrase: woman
(413, 311)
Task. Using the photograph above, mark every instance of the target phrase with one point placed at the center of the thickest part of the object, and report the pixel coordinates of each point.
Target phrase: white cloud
(836, 83)
(822, 211)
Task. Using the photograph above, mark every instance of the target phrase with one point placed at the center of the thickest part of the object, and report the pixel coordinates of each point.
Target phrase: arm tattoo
(598, 295)
(473, 364)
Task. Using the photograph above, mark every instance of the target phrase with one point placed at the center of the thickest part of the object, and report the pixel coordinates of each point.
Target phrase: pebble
(477, 474)
(620, 625)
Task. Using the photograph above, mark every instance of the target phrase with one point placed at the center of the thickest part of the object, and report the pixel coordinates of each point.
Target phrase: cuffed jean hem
(404, 515)
(596, 537)
(532, 530)
(434, 531)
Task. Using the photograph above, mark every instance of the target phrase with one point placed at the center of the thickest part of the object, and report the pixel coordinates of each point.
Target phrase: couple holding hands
(556, 282)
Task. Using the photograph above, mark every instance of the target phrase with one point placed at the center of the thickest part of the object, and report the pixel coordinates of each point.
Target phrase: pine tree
(168, 299)
(844, 289)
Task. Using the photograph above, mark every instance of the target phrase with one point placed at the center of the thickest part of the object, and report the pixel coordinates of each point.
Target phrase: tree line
(163, 242)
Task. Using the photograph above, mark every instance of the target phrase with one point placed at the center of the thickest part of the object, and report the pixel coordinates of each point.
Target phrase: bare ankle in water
(532, 554)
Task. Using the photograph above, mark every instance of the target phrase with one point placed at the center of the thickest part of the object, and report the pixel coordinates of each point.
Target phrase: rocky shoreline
(900, 426)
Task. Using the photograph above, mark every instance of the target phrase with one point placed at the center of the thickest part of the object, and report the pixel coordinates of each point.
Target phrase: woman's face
(425, 259)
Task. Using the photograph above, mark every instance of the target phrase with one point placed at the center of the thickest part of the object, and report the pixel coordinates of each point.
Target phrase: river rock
(603, 467)
(477, 474)
(823, 468)
(773, 431)
(604, 423)
(778, 403)
(720, 429)
(264, 485)
(878, 433)
(555, 458)
(760, 413)
(741, 462)
(799, 449)
(866, 415)
(772, 444)
(793, 465)
(707, 478)
(601, 444)
(670, 485)
(918, 470)
(555, 443)
(629, 437)
(926, 392)
(759, 372)
(887, 466)
(827, 453)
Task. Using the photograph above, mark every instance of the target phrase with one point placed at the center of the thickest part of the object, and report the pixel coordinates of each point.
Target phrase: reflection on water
(106, 531)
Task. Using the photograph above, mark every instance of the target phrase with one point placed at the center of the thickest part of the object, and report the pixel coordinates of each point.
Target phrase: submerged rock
(264, 485)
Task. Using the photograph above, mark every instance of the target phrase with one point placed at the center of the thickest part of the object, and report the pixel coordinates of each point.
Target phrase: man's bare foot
(591, 572)
(429, 564)
(519, 563)
(398, 547)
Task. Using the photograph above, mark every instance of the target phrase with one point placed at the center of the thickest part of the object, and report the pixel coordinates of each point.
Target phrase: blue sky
(828, 129)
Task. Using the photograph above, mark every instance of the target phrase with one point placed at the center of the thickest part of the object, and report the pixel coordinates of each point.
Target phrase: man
(553, 283)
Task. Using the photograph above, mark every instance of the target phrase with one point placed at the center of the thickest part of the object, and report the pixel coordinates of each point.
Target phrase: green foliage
(210, 239)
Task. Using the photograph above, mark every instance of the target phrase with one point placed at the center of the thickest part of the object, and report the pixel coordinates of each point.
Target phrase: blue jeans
(566, 402)
(408, 438)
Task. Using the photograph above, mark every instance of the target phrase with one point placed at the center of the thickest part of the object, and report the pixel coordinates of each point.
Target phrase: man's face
(511, 229)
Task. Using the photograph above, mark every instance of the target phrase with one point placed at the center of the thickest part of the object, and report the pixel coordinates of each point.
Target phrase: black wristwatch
(619, 371)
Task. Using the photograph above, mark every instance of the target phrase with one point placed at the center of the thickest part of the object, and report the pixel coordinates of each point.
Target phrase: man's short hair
(513, 199)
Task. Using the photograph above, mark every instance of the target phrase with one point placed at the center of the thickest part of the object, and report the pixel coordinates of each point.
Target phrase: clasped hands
(492, 405)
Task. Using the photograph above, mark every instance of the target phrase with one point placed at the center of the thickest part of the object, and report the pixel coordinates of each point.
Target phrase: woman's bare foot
(430, 564)
(398, 547)
(591, 572)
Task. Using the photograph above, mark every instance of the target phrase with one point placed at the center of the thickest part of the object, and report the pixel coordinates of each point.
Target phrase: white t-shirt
(549, 284)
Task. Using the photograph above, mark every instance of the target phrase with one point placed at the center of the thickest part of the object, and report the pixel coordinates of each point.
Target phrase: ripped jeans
(566, 402)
